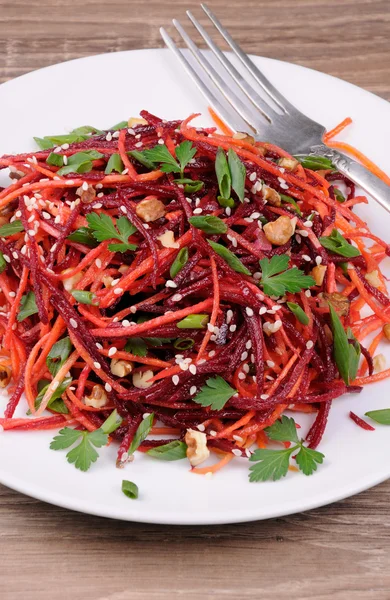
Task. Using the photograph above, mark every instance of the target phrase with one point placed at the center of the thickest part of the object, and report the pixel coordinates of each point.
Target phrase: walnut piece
(197, 451)
(280, 231)
(133, 121)
(318, 274)
(339, 302)
(140, 380)
(121, 368)
(150, 209)
(98, 397)
(271, 196)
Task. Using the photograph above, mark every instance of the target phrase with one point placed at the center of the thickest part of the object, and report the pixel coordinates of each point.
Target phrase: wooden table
(340, 551)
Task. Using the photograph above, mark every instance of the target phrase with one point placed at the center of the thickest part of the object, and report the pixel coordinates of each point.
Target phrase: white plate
(102, 90)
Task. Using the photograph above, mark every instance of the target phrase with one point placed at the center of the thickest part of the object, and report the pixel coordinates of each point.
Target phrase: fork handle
(370, 183)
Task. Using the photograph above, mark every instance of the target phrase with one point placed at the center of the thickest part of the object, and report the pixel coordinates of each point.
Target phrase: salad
(175, 290)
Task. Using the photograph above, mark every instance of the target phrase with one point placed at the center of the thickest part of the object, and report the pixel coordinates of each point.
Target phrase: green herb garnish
(56, 404)
(209, 224)
(315, 163)
(142, 432)
(198, 321)
(277, 279)
(58, 355)
(298, 312)
(183, 343)
(238, 174)
(84, 297)
(168, 164)
(179, 262)
(273, 464)
(55, 159)
(103, 228)
(81, 162)
(130, 489)
(223, 174)
(83, 235)
(381, 416)
(346, 354)
(28, 306)
(3, 264)
(175, 450)
(114, 164)
(215, 393)
(190, 186)
(11, 228)
(230, 258)
(336, 243)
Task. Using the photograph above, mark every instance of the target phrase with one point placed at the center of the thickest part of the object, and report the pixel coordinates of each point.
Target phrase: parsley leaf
(190, 186)
(84, 454)
(209, 224)
(81, 162)
(215, 393)
(238, 174)
(142, 432)
(336, 243)
(283, 430)
(275, 282)
(82, 235)
(175, 450)
(137, 346)
(270, 464)
(103, 229)
(55, 403)
(28, 306)
(315, 163)
(381, 416)
(168, 164)
(11, 228)
(273, 464)
(307, 460)
(230, 258)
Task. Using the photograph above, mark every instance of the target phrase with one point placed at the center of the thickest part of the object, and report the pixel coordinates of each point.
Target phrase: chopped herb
(112, 422)
(103, 228)
(84, 454)
(315, 163)
(346, 354)
(168, 164)
(215, 393)
(336, 243)
(183, 343)
(223, 174)
(226, 202)
(230, 258)
(190, 186)
(273, 464)
(185, 152)
(277, 279)
(179, 262)
(117, 126)
(3, 264)
(81, 162)
(11, 228)
(139, 157)
(114, 164)
(298, 312)
(209, 224)
(238, 174)
(28, 306)
(84, 236)
(84, 297)
(86, 131)
(58, 355)
(56, 404)
(381, 416)
(289, 200)
(198, 321)
(130, 489)
(43, 144)
(338, 195)
(141, 433)
(175, 450)
(55, 159)
(136, 346)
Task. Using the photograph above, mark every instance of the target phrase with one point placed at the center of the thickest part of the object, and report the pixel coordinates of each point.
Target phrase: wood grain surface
(340, 552)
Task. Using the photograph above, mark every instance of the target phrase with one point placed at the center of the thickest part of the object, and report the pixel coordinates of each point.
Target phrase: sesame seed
(198, 211)
(252, 176)
(309, 344)
(306, 257)
(175, 380)
(112, 351)
(298, 238)
(277, 325)
(318, 260)
(85, 186)
(125, 323)
(249, 311)
(12, 294)
(193, 390)
(270, 311)
(270, 363)
(248, 220)
(241, 376)
(108, 387)
(245, 368)
(303, 232)
(211, 353)
(232, 328)
(18, 213)
(177, 298)
(68, 181)
(73, 323)
(228, 211)
(248, 345)
(210, 327)
(308, 293)
(238, 438)
(123, 209)
(55, 385)
(264, 396)
(161, 142)
(213, 433)
(98, 263)
(248, 452)
(308, 224)
(131, 131)
(15, 254)
(229, 316)
(244, 355)
(257, 275)
(262, 310)
(170, 284)
(118, 291)
(192, 369)
(46, 215)
(97, 365)
(109, 136)
(255, 215)
(236, 452)
(139, 145)
(201, 427)
(31, 232)
(98, 204)
(99, 186)
(99, 346)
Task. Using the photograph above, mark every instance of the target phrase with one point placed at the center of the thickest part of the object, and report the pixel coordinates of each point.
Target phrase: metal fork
(270, 117)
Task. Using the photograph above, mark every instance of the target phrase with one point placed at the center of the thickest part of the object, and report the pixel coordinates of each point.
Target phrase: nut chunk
(318, 274)
(280, 231)
(197, 450)
(150, 209)
(98, 397)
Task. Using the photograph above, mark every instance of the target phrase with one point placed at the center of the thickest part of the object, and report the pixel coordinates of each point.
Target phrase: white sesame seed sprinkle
(108, 387)
(238, 438)
(244, 355)
(213, 433)
(211, 353)
(12, 294)
(177, 298)
(193, 389)
(139, 145)
(97, 365)
(233, 328)
(241, 376)
(262, 310)
(303, 232)
(118, 291)
(309, 344)
(73, 323)
(252, 176)
(318, 260)
(308, 293)
(192, 369)
(123, 209)
(237, 452)
(98, 263)
(306, 257)
(15, 254)
(198, 211)
(249, 311)
(170, 284)
(248, 345)
(99, 346)
(175, 380)
(112, 351)
(126, 323)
